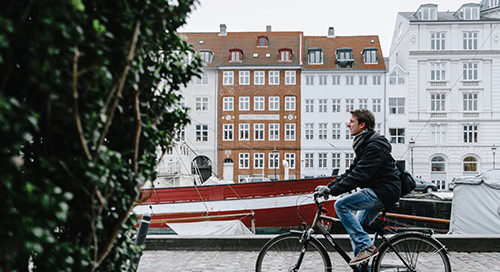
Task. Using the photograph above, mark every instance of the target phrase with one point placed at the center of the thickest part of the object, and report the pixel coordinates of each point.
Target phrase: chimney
(331, 32)
(222, 30)
(268, 28)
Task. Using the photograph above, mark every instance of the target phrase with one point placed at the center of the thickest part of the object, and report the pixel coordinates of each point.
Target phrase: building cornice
(472, 53)
(258, 67)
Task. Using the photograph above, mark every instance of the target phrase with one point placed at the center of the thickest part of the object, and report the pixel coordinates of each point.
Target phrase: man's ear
(362, 125)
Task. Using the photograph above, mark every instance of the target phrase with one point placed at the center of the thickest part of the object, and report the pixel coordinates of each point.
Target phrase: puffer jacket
(374, 168)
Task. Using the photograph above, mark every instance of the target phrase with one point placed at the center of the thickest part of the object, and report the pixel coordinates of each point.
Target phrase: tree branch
(121, 84)
(76, 113)
(137, 128)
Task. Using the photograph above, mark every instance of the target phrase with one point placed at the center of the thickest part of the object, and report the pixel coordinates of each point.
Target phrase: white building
(339, 74)
(452, 98)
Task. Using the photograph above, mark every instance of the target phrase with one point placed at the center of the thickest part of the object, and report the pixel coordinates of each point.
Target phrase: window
(335, 160)
(309, 160)
(285, 54)
(438, 40)
(274, 103)
(344, 54)
(258, 160)
(289, 77)
(349, 104)
(244, 77)
(227, 131)
(470, 71)
(322, 105)
(322, 131)
(315, 56)
(395, 78)
(244, 104)
(377, 80)
(349, 80)
(201, 103)
(349, 159)
(244, 160)
(289, 132)
(348, 134)
(396, 105)
(258, 132)
(470, 134)
(427, 13)
(258, 103)
(228, 103)
(335, 80)
(377, 104)
(438, 133)
(236, 54)
(438, 102)
(336, 131)
(363, 103)
(378, 128)
(274, 158)
(227, 78)
(202, 80)
(262, 41)
(258, 78)
(470, 40)
(274, 132)
(309, 131)
(322, 157)
(370, 56)
(290, 103)
(244, 132)
(206, 56)
(437, 164)
(363, 80)
(310, 80)
(470, 101)
(438, 72)
(470, 164)
(290, 158)
(397, 135)
(274, 77)
(323, 80)
(469, 13)
(309, 105)
(201, 133)
(180, 135)
(335, 105)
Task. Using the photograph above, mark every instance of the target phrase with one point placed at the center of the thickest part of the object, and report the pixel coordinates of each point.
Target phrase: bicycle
(402, 249)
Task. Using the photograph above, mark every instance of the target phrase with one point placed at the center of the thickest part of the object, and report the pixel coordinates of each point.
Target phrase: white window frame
(323, 80)
(227, 78)
(201, 133)
(363, 103)
(244, 132)
(258, 161)
(290, 77)
(470, 71)
(471, 133)
(274, 160)
(202, 80)
(315, 56)
(363, 80)
(309, 105)
(335, 80)
(470, 101)
(396, 105)
(244, 161)
(370, 56)
(377, 80)
(470, 40)
(308, 160)
(228, 103)
(349, 159)
(244, 77)
(323, 131)
(322, 105)
(309, 80)
(349, 104)
(274, 103)
(309, 131)
(290, 103)
(244, 103)
(259, 132)
(438, 132)
(349, 80)
(438, 102)
(438, 41)
(397, 135)
(438, 71)
(336, 131)
(201, 103)
(274, 77)
(259, 77)
(236, 56)
(290, 131)
(228, 132)
(259, 103)
(290, 158)
(336, 160)
(377, 104)
(274, 131)
(322, 160)
(336, 105)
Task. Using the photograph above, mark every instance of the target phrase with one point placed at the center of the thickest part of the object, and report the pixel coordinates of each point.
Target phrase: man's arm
(339, 178)
(361, 172)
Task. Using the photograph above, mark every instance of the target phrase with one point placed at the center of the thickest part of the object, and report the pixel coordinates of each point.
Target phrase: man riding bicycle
(374, 171)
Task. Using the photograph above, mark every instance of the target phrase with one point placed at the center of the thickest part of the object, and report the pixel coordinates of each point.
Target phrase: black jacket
(374, 168)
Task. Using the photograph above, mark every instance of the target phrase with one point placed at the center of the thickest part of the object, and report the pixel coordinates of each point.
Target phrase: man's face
(354, 126)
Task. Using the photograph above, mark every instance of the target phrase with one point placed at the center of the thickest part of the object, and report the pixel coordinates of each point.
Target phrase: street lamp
(275, 153)
(412, 145)
(493, 150)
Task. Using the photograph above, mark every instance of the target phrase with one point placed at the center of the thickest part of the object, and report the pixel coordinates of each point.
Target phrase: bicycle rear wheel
(420, 251)
(283, 252)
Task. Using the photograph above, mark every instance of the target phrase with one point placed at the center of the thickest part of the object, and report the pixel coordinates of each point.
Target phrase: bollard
(140, 238)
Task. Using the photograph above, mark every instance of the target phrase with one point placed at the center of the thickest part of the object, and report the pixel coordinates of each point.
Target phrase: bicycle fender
(416, 233)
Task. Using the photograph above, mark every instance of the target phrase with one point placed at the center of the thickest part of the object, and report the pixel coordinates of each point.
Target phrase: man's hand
(322, 191)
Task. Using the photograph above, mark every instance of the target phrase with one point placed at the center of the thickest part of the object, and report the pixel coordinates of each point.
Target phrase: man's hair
(365, 116)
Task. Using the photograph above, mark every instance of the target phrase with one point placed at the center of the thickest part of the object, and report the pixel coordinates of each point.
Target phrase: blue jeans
(368, 206)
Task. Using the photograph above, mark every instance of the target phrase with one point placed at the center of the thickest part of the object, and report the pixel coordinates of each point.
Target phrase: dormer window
(285, 54)
(315, 56)
(370, 55)
(427, 12)
(469, 13)
(344, 57)
(262, 41)
(206, 56)
(236, 54)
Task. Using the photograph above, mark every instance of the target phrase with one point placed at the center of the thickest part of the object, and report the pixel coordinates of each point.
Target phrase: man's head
(360, 120)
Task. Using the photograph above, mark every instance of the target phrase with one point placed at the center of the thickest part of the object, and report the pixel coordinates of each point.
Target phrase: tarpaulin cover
(217, 228)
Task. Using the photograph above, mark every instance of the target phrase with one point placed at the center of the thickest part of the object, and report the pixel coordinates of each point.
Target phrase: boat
(260, 206)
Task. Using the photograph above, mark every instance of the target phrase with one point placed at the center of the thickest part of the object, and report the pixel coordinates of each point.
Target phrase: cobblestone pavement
(201, 261)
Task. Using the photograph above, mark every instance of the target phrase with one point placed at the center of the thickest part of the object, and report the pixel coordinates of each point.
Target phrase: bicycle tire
(282, 252)
(421, 251)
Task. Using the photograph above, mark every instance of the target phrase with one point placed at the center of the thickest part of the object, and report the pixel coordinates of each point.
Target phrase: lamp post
(493, 150)
(412, 145)
(275, 153)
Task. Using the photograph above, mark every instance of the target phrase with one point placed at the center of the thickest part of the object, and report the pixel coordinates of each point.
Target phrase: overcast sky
(313, 17)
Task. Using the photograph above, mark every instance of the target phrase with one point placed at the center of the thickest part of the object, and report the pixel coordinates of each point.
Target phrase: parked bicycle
(402, 249)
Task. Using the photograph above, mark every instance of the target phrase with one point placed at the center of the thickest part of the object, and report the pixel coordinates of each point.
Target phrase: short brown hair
(365, 116)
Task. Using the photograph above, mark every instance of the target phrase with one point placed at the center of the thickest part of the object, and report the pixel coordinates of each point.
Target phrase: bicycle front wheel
(419, 251)
(285, 253)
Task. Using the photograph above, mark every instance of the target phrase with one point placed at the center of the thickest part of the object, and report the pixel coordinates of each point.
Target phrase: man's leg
(361, 200)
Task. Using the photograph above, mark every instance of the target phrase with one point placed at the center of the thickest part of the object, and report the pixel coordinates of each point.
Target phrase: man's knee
(340, 205)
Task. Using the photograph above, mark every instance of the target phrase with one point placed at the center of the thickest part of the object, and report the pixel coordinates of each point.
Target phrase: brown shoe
(364, 255)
